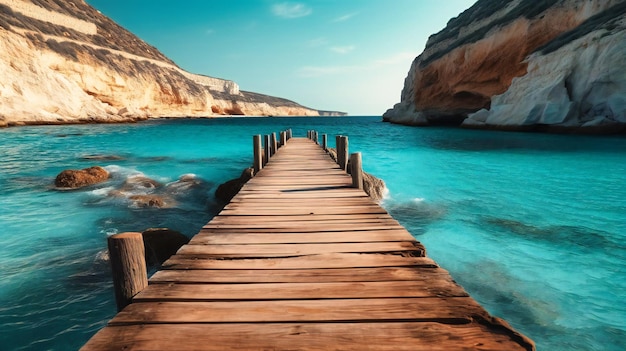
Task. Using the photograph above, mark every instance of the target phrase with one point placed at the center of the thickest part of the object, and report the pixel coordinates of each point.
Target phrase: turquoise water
(533, 226)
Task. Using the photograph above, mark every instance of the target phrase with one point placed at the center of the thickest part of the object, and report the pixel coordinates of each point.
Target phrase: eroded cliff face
(64, 62)
(524, 64)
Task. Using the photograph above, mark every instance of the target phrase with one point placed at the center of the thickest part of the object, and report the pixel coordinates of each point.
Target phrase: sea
(533, 226)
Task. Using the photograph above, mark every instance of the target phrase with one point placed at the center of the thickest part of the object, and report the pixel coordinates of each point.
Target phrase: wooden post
(337, 147)
(342, 152)
(283, 138)
(258, 155)
(128, 264)
(289, 134)
(325, 142)
(356, 170)
(315, 139)
(266, 148)
(274, 144)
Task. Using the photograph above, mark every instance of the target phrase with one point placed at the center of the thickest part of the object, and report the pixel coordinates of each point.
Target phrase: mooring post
(283, 138)
(315, 138)
(289, 135)
(342, 152)
(266, 148)
(274, 144)
(258, 154)
(356, 170)
(128, 264)
(325, 142)
(337, 147)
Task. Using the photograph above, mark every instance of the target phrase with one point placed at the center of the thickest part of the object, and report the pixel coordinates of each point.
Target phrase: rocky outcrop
(64, 62)
(226, 191)
(74, 179)
(161, 243)
(374, 187)
(549, 65)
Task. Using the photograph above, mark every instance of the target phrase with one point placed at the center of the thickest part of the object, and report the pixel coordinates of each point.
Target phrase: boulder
(374, 187)
(226, 191)
(161, 243)
(74, 179)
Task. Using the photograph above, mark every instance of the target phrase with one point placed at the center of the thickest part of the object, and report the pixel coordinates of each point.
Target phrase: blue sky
(343, 55)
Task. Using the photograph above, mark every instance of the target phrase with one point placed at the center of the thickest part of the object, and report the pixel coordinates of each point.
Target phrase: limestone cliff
(554, 65)
(64, 62)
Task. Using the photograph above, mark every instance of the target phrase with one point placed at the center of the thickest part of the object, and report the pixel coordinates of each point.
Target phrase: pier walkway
(301, 260)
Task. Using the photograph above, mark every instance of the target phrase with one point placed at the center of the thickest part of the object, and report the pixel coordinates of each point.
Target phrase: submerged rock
(139, 182)
(148, 200)
(74, 179)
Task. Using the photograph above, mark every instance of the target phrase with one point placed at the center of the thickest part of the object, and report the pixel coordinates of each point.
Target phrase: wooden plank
(444, 310)
(396, 336)
(281, 250)
(304, 211)
(297, 291)
(206, 237)
(310, 217)
(372, 274)
(334, 260)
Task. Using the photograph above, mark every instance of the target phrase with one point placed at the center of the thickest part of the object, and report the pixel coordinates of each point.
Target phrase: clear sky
(342, 55)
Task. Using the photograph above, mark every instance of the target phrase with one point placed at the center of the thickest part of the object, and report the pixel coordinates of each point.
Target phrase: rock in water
(161, 243)
(74, 179)
(226, 191)
(374, 187)
(148, 200)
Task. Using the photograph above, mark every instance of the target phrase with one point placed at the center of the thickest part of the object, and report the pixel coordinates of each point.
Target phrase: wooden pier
(302, 260)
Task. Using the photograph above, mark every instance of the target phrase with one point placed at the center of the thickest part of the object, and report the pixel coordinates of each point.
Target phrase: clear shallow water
(533, 226)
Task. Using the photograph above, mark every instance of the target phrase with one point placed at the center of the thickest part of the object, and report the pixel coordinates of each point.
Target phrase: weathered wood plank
(373, 274)
(296, 291)
(278, 250)
(453, 310)
(207, 237)
(396, 336)
(334, 260)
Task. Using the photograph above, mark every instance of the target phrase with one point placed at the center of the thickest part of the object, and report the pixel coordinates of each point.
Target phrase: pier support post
(315, 138)
(342, 151)
(266, 148)
(356, 170)
(283, 138)
(128, 264)
(274, 144)
(289, 134)
(258, 155)
(325, 142)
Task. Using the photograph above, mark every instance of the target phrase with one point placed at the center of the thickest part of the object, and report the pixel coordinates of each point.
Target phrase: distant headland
(64, 62)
